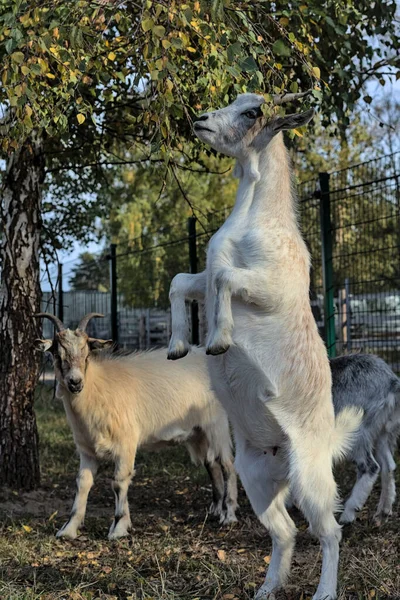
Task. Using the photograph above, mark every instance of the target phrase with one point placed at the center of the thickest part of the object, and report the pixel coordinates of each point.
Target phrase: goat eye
(251, 114)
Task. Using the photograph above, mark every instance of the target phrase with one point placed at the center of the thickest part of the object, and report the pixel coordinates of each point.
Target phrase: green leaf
(234, 51)
(147, 24)
(176, 42)
(159, 31)
(10, 45)
(248, 64)
(317, 94)
(17, 57)
(36, 69)
(279, 47)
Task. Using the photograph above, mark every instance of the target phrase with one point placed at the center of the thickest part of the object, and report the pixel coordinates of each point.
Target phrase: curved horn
(56, 321)
(83, 323)
(279, 99)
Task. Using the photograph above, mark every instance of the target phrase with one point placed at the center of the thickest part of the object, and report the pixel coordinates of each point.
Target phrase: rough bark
(19, 299)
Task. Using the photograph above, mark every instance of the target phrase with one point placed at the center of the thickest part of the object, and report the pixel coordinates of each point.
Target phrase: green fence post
(327, 264)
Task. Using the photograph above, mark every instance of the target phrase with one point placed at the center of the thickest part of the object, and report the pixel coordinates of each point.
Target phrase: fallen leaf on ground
(221, 555)
(267, 559)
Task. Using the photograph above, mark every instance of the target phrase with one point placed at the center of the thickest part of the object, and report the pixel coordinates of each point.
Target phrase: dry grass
(174, 552)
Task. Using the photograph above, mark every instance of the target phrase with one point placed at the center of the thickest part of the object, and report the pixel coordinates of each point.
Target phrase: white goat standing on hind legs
(274, 379)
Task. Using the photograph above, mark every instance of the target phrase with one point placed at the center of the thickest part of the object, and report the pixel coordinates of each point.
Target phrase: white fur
(273, 377)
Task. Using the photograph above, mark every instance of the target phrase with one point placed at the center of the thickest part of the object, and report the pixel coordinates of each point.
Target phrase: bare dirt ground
(174, 552)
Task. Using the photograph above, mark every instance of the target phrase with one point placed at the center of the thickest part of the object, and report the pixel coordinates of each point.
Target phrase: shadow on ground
(174, 552)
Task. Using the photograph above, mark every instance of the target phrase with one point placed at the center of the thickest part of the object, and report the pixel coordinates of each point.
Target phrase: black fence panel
(350, 220)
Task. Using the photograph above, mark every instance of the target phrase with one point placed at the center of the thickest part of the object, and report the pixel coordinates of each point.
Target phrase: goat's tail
(347, 423)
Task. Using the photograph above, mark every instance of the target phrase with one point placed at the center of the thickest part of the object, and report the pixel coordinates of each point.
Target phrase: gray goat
(366, 381)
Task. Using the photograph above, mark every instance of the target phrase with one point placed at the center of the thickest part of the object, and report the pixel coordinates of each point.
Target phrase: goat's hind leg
(184, 286)
(261, 477)
(367, 473)
(84, 481)
(314, 490)
(387, 464)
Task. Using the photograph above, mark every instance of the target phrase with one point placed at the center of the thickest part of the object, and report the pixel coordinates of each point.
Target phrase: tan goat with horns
(116, 403)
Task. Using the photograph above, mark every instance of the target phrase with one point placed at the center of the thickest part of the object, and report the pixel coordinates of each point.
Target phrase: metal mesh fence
(350, 220)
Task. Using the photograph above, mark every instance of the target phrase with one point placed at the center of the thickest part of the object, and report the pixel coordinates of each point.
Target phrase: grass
(175, 552)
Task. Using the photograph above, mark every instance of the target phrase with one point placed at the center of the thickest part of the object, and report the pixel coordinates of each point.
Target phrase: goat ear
(292, 121)
(43, 345)
(95, 344)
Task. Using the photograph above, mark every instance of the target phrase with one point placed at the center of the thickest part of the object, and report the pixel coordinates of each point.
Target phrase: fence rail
(350, 220)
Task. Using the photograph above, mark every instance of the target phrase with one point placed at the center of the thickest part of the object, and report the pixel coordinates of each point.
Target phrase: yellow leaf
(43, 65)
(221, 555)
(191, 49)
(27, 528)
(111, 56)
(54, 514)
(25, 19)
(50, 75)
(166, 44)
(372, 594)
(28, 110)
(297, 132)
(284, 21)
(25, 70)
(316, 72)
(56, 33)
(303, 7)
(267, 559)
(81, 118)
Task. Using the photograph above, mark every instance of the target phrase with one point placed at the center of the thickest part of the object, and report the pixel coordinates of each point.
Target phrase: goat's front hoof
(382, 517)
(177, 349)
(215, 350)
(119, 530)
(218, 343)
(70, 533)
(215, 509)
(265, 593)
(227, 518)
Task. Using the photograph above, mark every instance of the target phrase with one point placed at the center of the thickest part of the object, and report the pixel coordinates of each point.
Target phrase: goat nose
(201, 118)
(75, 381)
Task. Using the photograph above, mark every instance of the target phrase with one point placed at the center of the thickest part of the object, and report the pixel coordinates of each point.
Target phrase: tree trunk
(19, 300)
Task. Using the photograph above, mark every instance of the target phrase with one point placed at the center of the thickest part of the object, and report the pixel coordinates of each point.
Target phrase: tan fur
(116, 404)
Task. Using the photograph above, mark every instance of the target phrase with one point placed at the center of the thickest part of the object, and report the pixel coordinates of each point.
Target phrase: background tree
(87, 86)
(91, 273)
